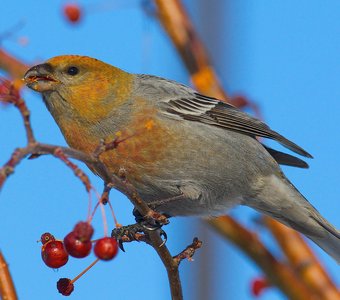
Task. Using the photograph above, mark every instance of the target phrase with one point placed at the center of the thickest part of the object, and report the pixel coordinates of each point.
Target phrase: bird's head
(80, 86)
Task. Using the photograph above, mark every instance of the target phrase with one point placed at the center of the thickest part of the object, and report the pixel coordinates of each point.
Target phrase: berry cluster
(78, 244)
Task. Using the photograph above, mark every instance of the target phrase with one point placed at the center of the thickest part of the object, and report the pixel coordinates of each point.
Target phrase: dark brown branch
(169, 263)
(20, 153)
(188, 252)
(10, 94)
(58, 152)
(172, 263)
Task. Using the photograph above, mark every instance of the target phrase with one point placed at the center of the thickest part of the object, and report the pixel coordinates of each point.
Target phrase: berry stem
(104, 218)
(94, 210)
(89, 216)
(113, 215)
(83, 272)
(102, 210)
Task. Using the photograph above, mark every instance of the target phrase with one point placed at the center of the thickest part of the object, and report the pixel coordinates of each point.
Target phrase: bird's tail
(279, 199)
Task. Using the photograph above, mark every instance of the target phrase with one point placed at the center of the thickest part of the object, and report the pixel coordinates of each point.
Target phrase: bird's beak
(40, 78)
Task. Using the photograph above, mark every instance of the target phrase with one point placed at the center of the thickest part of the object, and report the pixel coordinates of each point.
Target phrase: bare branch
(7, 290)
(13, 66)
(58, 152)
(10, 94)
(188, 252)
(170, 264)
(177, 23)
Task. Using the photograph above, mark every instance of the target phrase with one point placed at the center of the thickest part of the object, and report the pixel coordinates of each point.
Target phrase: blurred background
(283, 55)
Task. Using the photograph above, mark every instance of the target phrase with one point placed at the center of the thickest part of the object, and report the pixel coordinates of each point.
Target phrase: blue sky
(284, 55)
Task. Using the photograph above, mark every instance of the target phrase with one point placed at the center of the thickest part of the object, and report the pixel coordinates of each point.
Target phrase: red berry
(75, 247)
(83, 231)
(72, 12)
(106, 248)
(46, 237)
(65, 287)
(54, 254)
(258, 285)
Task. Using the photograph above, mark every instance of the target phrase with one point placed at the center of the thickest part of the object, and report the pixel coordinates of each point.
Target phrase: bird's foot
(136, 232)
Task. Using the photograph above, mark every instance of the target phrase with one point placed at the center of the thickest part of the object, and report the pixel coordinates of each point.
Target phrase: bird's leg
(150, 224)
(154, 220)
(167, 200)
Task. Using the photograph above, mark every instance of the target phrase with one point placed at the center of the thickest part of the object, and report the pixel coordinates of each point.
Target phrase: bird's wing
(196, 107)
(286, 159)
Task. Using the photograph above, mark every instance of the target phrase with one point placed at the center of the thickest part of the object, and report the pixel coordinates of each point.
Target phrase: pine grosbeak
(185, 153)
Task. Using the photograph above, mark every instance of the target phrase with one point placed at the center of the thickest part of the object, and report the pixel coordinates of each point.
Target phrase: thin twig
(9, 93)
(188, 252)
(58, 152)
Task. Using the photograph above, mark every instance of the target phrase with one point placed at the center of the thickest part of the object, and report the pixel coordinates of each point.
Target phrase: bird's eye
(72, 71)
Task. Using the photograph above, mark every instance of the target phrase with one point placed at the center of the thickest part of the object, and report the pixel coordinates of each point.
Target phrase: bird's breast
(143, 145)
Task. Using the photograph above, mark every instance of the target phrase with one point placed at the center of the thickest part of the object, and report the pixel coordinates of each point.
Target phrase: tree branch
(13, 66)
(188, 252)
(177, 23)
(303, 260)
(169, 263)
(7, 290)
(276, 272)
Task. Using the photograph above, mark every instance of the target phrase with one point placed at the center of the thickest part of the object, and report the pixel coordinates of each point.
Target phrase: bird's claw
(128, 233)
(120, 245)
(163, 234)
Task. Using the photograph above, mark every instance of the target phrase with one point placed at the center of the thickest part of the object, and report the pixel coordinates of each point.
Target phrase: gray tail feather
(318, 230)
(281, 200)
(330, 241)
(330, 244)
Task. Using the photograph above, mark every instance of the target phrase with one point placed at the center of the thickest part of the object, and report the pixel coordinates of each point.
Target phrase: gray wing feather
(214, 112)
(286, 159)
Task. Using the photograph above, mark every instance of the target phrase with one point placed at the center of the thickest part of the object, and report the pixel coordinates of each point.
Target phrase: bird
(185, 153)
